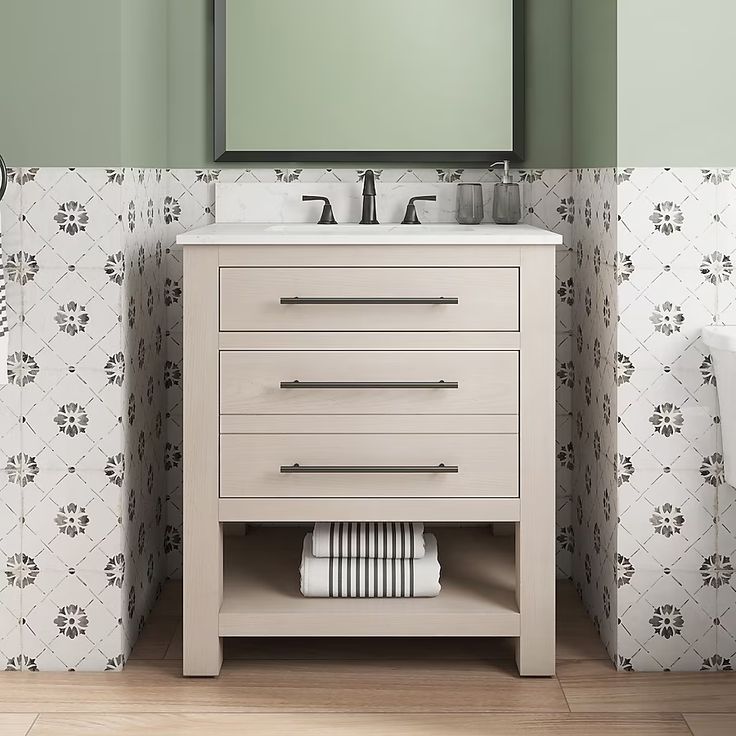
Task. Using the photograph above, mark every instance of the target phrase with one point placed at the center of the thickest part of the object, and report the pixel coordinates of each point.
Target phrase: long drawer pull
(368, 300)
(441, 468)
(369, 384)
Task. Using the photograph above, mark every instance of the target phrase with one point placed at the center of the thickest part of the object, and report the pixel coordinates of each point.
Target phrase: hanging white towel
(3, 318)
(368, 539)
(346, 577)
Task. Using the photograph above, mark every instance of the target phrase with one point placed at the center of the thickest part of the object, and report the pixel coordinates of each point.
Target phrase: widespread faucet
(369, 199)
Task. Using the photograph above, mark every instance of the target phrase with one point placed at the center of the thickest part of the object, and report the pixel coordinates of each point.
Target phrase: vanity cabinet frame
(525, 607)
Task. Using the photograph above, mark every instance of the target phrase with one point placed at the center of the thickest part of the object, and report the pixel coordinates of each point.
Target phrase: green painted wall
(676, 100)
(548, 84)
(83, 82)
(144, 109)
(190, 84)
(103, 82)
(60, 65)
(549, 141)
(593, 83)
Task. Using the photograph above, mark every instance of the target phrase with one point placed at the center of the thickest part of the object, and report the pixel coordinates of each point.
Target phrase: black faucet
(369, 199)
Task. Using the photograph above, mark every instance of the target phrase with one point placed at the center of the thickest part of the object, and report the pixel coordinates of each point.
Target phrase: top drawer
(369, 299)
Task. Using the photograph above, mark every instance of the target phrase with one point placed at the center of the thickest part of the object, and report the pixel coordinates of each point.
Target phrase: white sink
(351, 229)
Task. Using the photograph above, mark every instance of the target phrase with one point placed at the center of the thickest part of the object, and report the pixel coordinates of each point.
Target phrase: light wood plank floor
(349, 687)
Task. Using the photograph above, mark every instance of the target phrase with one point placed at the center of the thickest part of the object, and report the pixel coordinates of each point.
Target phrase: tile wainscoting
(591, 370)
(90, 429)
(654, 525)
(82, 428)
(676, 536)
(646, 526)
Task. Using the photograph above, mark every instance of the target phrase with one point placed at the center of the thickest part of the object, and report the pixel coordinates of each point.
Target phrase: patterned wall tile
(647, 261)
(82, 252)
(594, 400)
(674, 273)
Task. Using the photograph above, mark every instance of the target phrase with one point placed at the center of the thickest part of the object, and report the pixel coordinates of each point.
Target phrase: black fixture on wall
(3, 178)
(466, 158)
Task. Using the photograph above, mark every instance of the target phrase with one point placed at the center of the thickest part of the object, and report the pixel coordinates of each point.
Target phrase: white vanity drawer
(371, 382)
(369, 299)
(369, 465)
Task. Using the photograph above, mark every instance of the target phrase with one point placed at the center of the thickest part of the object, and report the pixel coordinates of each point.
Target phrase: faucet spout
(369, 199)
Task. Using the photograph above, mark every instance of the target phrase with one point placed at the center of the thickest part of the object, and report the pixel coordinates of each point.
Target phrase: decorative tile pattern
(90, 428)
(675, 247)
(594, 398)
(670, 529)
(85, 270)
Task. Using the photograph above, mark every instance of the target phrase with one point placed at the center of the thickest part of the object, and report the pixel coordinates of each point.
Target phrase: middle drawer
(371, 382)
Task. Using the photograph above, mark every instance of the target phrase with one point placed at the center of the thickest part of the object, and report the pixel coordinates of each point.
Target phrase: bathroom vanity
(369, 373)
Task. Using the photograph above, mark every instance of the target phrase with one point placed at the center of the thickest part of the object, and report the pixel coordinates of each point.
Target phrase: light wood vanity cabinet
(367, 357)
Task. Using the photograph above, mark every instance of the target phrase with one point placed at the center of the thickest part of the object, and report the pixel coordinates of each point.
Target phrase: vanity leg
(202, 599)
(535, 532)
(203, 531)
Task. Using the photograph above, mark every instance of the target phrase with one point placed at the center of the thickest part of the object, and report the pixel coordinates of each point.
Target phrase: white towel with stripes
(365, 577)
(392, 540)
(3, 319)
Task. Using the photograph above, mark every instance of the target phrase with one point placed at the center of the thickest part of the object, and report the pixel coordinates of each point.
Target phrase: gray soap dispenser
(506, 198)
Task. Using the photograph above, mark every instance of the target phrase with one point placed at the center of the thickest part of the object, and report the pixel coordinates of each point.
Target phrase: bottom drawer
(369, 465)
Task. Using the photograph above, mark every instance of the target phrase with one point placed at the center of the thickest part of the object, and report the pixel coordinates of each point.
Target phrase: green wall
(676, 100)
(548, 144)
(593, 83)
(144, 31)
(60, 66)
(548, 84)
(83, 82)
(190, 84)
(128, 82)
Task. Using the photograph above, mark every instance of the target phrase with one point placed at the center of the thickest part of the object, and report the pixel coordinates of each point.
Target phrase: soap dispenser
(506, 198)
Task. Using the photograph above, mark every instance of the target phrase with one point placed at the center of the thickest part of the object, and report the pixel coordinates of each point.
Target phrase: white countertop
(394, 234)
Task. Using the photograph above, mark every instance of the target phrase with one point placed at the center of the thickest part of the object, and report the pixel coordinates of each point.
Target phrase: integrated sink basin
(348, 230)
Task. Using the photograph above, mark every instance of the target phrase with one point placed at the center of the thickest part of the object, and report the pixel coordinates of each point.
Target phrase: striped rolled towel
(392, 540)
(364, 577)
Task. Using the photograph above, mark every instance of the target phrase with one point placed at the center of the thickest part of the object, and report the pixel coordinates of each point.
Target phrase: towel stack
(370, 560)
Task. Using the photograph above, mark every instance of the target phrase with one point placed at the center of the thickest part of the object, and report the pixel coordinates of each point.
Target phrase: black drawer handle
(369, 384)
(441, 468)
(368, 300)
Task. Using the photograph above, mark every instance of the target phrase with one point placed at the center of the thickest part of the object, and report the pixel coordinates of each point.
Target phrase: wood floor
(339, 687)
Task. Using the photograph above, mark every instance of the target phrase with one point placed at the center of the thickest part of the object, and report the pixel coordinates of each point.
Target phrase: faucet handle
(410, 218)
(327, 217)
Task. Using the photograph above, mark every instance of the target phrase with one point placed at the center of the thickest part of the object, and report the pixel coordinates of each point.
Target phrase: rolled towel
(345, 577)
(391, 540)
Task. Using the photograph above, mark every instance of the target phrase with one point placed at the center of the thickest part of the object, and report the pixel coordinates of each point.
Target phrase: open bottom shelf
(261, 594)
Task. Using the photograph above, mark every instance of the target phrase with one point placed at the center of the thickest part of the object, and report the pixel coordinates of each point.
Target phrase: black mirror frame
(466, 158)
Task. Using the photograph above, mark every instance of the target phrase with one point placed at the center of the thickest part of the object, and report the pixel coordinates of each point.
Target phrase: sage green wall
(548, 84)
(549, 143)
(144, 30)
(593, 83)
(190, 84)
(676, 101)
(60, 65)
(82, 83)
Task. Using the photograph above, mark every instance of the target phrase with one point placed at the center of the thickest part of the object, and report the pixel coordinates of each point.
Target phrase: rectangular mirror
(369, 81)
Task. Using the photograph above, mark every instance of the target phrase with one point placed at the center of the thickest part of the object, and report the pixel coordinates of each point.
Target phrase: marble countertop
(393, 234)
